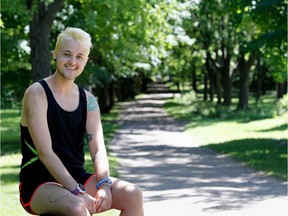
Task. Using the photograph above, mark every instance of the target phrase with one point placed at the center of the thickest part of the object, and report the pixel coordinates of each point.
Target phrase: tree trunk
(226, 74)
(111, 95)
(205, 93)
(103, 97)
(280, 87)
(259, 78)
(194, 80)
(218, 88)
(40, 28)
(243, 85)
(244, 68)
(226, 82)
(210, 73)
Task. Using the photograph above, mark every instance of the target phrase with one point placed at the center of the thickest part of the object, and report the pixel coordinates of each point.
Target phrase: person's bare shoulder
(34, 101)
(92, 104)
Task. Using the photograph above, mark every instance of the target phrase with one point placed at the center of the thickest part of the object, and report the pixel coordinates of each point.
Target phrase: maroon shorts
(27, 188)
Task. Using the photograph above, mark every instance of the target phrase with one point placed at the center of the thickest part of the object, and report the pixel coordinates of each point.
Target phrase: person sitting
(56, 116)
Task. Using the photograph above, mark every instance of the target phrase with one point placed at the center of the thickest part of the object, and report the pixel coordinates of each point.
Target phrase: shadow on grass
(10, 147)
(278, 128)
(9, 178)
(268, 155)
(9, 173)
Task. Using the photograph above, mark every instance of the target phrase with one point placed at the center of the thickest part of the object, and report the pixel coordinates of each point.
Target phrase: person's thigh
(54, 199)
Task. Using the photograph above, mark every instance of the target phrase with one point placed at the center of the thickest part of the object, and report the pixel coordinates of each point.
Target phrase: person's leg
(52, 198)
(126, 197)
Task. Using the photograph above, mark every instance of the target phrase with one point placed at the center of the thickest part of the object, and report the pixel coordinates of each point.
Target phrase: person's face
(71, 59)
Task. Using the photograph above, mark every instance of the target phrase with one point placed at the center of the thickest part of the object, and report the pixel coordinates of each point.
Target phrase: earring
(54, 60)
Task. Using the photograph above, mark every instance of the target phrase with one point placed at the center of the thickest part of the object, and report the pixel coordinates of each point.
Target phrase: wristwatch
(79, 189)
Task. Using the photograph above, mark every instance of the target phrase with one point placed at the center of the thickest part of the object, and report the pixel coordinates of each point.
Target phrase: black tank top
(67, 131)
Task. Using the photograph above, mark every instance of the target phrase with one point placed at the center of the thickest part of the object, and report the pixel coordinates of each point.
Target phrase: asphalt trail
(180, 178)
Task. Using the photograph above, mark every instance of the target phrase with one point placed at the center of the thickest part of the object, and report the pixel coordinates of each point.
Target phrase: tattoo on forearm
(55, 196)
(92, 104)
(89, 137)
(94, 158)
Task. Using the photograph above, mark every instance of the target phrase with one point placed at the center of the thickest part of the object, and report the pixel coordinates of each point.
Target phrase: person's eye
(67, 54)
(80, 58)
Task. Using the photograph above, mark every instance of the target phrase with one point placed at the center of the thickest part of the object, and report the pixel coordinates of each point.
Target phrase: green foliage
(147, 39)
(193, 106)
(15, 66)
(272, 37)
(268, 155)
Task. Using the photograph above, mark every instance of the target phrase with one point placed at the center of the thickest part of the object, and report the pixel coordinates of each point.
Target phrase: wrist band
(108, 180)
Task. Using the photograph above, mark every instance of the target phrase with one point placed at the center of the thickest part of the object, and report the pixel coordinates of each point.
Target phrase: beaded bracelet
(108, 180)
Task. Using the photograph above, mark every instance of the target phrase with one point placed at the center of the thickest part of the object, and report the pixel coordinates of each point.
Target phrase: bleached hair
(77, 34)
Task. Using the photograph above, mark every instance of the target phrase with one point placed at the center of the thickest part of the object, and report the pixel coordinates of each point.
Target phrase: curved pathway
(178, 177)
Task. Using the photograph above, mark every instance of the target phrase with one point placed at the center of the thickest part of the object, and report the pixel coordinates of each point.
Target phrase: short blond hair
(77, 34)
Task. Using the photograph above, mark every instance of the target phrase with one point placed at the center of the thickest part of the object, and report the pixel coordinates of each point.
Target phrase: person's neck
(60, 85)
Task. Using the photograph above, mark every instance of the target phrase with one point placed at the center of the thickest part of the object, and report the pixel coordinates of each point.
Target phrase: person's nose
(72, 60)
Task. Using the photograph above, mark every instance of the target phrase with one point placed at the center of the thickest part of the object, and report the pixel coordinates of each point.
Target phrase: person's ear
(54, 55)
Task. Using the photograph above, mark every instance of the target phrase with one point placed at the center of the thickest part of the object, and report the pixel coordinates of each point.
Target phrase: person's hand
(103, 198)
(90, 202)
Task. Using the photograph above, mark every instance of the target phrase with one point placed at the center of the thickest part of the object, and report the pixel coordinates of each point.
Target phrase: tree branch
(52, 10)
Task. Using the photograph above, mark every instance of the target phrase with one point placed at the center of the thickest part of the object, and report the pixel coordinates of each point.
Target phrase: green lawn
(257, 136)
(11, 157)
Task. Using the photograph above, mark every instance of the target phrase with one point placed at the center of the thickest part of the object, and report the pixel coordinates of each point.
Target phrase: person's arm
(35, 117)
(98, 152)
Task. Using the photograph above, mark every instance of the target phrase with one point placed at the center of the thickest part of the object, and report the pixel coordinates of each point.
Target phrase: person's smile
(71, 67)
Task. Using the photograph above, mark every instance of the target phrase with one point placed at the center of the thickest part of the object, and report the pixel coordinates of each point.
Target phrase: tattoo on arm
(94, 158)
(89, 137)
(92, 104)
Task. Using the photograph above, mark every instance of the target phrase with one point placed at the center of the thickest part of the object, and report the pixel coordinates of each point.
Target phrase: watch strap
(79, 189)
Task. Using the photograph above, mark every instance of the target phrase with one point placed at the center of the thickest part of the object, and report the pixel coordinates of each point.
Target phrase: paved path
(179, 178)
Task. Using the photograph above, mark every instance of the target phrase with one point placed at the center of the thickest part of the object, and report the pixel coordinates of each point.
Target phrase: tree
(15, 66)
(271, 17)
(212, 43)
(43, 14)
(216, 33)
(243, 69)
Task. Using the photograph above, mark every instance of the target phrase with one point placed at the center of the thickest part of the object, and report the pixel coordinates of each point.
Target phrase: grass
(268, 155)
(257, 136)
(11, 158)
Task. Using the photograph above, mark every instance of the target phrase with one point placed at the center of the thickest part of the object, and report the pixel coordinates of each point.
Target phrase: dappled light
(173, 169)
(200, 88)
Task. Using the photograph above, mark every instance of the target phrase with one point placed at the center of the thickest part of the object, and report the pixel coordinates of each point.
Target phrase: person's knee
(135, 193)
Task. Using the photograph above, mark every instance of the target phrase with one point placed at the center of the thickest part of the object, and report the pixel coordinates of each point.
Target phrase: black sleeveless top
(67, 131)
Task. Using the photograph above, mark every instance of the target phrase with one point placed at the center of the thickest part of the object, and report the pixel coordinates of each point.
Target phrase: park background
(227, 60)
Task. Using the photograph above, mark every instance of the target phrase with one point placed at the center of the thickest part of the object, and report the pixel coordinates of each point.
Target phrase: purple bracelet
(108, 180)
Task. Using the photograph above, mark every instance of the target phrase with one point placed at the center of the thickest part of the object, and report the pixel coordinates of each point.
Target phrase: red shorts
(27, 189)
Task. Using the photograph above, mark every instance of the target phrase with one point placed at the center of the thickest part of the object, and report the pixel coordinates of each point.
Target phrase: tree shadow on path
(155, 154)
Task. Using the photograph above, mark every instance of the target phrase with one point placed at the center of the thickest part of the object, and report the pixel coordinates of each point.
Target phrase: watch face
(82, 188)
